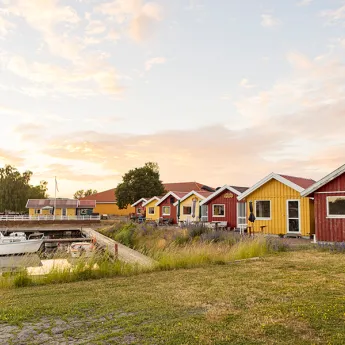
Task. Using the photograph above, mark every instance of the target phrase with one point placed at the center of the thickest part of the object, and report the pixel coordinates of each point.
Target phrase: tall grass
(171, 248)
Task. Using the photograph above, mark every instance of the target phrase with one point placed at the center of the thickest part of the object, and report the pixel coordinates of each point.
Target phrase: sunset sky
(215, 91)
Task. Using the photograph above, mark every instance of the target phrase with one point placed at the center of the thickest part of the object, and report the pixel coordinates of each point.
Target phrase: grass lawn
(287, 298)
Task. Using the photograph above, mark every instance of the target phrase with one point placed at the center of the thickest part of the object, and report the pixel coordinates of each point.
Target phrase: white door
(241, 214)
(293, 216)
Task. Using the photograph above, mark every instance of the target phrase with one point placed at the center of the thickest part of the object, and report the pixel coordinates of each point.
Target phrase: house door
(241, 214)
(293, 216)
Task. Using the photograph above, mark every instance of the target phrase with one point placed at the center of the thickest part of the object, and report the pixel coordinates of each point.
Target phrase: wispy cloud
(304, 2)
(334, 16)
(154, 61)
(246, 84)
(269, 21)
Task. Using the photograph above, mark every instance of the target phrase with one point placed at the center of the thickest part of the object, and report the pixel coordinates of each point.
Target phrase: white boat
(81, 248)
(17, 243)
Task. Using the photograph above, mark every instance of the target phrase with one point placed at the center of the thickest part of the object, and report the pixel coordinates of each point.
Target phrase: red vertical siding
(169, 201)
(230, 209)
(329, 229)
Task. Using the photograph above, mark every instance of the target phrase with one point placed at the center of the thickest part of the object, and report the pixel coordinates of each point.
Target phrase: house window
(204, 213)
(218, 210)
(139, 210)
(37, 211)
(263, 209)
(187, 210)
(336, 206)
(151, 210)
(166, 210)
(64, 212)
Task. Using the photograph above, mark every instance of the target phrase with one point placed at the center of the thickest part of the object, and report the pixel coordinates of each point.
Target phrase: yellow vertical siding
(113, 209)
(278, 193)
(189, 202)
(152, 216)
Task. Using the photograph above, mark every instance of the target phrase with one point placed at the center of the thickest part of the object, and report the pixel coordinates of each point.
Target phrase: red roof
(185, 187)
(106, 196)
(300, 181)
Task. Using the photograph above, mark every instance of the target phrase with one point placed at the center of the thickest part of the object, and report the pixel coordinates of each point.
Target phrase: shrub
(196, 230)
(126, 235)
(22, 279)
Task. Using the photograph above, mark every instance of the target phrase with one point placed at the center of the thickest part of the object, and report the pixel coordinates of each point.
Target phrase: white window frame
(166, 214)
(187, 214)
(334, 216)
(138, 210)
(148, 210)
(299, 217)
(245, 214)
(216, 216)
(64, 212)
(263, 218)
(37, 211)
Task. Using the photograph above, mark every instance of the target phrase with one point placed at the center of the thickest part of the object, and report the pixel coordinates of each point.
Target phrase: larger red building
(329, 197)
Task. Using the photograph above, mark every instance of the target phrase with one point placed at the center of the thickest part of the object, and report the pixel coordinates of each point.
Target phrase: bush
(22, 279)
(126, 235)
(196, 230)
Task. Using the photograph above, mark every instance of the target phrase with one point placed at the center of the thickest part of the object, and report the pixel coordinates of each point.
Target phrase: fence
(9, 218)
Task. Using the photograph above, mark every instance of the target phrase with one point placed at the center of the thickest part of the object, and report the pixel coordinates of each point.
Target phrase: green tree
(15, 189)
(138, 183)
(81, 193)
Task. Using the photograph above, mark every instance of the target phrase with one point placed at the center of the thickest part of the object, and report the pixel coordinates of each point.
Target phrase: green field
(286, 298)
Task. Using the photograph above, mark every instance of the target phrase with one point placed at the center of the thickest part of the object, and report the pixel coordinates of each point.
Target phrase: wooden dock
(117, 249)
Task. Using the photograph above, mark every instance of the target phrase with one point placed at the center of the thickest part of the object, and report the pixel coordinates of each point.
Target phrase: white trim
(193, 192)
(149, 201)
(263, 218)
(335, 192)
(215, 216)
(268, 178)
(219, 191)
(139, 201)
(330, 216)
(299, 217)
(166, 196)
(330, 177)
(187, 214)
(245, 212)
(166, 214)
(148, 211)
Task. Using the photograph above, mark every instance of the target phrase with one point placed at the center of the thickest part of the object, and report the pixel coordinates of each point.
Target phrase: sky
(214, 91)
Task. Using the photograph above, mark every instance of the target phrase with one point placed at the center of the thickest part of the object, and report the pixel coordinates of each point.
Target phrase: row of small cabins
(282, 204)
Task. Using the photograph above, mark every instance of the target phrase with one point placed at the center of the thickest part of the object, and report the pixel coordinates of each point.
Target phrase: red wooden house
(167, 210)
(329, 206)
(223, 206)
(139, 207)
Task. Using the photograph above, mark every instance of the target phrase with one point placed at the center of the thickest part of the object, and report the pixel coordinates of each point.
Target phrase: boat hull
(30, 246)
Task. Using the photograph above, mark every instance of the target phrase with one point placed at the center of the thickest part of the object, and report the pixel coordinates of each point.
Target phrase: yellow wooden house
(190, 206)
(279, 207)
(60, 207)
(152, 211)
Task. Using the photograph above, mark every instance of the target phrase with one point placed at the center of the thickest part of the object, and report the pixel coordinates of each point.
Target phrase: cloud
(154, 61)
(5, 26)
(51, 79)
(138, 17)
(10, 157)
(245, 84)
(268, 21)
(336, 16)
(95, 27)
(304, 2)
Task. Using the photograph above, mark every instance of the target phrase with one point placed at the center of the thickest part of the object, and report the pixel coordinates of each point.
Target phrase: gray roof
(60, 203)
(240, 189)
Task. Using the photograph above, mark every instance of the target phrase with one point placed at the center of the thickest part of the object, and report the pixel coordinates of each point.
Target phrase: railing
(7, 218)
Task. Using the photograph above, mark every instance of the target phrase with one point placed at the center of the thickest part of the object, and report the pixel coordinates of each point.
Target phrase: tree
(139, 183)
(15, 189)
(81, 193)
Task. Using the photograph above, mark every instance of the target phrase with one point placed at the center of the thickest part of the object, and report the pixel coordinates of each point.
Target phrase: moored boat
(81, 248)
(17, 243)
